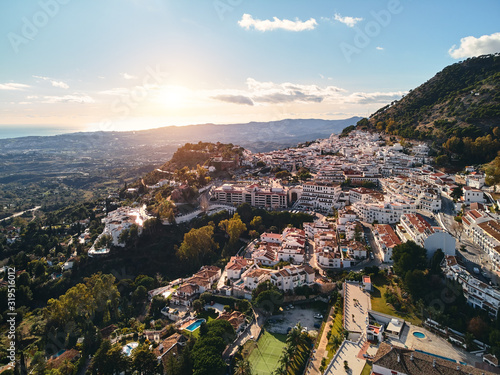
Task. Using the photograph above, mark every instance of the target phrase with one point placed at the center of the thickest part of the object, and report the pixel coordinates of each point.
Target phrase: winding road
(20, 213)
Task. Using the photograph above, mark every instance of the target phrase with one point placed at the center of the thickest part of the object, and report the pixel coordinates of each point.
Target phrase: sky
(138, 64)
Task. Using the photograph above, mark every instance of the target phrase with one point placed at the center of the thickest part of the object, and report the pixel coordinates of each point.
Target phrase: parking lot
(299, 313)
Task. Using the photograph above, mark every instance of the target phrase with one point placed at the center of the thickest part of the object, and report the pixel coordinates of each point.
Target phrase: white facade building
(413, 227)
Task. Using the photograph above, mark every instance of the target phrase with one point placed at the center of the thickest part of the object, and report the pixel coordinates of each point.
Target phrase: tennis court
(266, 353)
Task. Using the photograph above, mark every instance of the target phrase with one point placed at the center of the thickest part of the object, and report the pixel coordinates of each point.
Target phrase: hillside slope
(460, 102)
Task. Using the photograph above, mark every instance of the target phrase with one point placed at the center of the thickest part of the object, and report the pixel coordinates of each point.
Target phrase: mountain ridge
(257, 136)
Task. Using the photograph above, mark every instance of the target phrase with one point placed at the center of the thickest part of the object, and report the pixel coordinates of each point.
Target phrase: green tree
(198, 305)
(457, 192)
(493, 172)
(144, 361)
(101, 363)
(416, 283)
(157, 304)
(139, 295)
(243, 367)
(408, 256)
(269, 300)
(198, 247)
(436, 260)
(256, 222)
(442, 160)
(234, 227)
(283, 175)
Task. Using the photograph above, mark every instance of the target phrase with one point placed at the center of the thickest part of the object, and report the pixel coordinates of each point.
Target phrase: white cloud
(60, 84)
(53, 82)
(117, 91)
(128, 76)
(379, 48)
(75, 98)
(471, 46)
(349, 21)
(13, 86)
(247, 22)
(235, 99)
(268, 93)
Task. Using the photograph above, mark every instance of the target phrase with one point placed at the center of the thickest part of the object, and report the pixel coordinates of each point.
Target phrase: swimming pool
(127, 349)
(419, 335)
(194, 326)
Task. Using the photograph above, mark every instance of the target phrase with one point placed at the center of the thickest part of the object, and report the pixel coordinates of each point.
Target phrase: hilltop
(460, 102)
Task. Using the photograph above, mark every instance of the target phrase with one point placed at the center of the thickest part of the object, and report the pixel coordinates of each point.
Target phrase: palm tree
(284, 360)
(290, 350)
(294, 335)
(243, 367)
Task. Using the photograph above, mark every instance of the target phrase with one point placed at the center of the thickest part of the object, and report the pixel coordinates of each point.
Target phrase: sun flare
(173, 97)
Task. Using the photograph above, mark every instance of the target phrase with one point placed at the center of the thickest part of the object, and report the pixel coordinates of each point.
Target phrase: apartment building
(255, 195)
(321, 195)
(386, 213)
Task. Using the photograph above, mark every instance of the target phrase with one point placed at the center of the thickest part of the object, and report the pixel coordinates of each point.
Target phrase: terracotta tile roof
(492, 228)
(411, 362)
(70, 355)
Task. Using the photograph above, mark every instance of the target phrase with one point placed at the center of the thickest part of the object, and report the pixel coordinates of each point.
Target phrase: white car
(318, 316)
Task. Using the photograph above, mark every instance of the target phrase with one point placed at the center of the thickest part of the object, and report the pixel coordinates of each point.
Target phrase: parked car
(476, 270)
(318, 316)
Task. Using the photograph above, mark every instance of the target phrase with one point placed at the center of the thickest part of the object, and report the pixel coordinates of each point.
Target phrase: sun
(173, 97)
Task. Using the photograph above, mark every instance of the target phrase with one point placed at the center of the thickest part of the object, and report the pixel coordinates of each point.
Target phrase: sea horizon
(19, 131)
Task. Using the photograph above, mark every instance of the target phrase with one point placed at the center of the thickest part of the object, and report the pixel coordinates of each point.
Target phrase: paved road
(20, 213)
(320, 353)
(470, 253)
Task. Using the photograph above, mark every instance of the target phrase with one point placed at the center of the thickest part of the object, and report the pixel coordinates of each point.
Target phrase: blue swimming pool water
(127, 349)
(419, 335)
(194, 326)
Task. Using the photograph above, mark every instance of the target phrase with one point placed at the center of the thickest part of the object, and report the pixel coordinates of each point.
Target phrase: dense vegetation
(192, 154)
(458, 109)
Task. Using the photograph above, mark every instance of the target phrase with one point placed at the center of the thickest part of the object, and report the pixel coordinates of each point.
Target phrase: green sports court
(266, 353)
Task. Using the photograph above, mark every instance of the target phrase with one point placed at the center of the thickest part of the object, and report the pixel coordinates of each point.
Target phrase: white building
(475, 180)
(387, 213)
(118, 221)
(472, 195)
(290, 277)
(236, 266)
(321, 195)
(477, 293)
(413, 227)
(385, 239)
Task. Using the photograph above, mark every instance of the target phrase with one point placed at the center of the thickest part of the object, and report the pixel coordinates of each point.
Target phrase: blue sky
(134, 64)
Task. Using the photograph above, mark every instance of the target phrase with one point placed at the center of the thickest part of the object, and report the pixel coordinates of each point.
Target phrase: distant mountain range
(257, 136)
